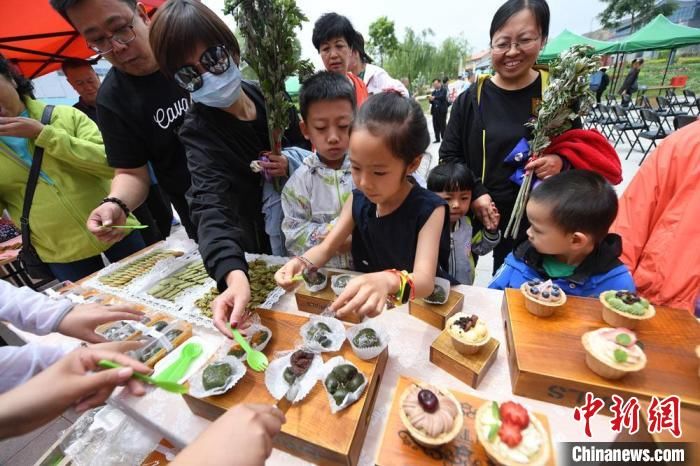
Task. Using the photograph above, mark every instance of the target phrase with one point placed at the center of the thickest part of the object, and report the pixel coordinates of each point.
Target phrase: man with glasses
(156, 211)
(139, 111)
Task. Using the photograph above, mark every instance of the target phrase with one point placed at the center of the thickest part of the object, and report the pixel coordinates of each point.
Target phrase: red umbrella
(38, 39)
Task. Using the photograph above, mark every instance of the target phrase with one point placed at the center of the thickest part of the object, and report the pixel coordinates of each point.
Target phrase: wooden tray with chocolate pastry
(312, 431)
(431, 425)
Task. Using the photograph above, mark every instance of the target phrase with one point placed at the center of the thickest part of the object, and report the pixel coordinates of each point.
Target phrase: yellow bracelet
(405, 278)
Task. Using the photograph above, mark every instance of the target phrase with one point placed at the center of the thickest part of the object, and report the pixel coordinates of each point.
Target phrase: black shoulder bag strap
(31, 183)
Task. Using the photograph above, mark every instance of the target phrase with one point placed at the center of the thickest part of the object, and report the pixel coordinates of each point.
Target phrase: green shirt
(556, 269)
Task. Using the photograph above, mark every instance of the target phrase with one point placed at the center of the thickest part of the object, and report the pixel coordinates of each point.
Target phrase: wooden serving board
(436, 314)
(547, 359)
(316, 303)
(398, 448)
(312, 432)
(470, 369)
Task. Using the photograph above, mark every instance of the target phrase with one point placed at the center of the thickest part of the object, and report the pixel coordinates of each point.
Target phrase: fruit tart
(613, 353)
(511, 435)
(433, 416)
(542, 298)
(625, 309)
(469, 333)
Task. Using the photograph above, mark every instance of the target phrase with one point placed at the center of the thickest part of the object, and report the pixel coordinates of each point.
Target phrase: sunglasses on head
(215, 60)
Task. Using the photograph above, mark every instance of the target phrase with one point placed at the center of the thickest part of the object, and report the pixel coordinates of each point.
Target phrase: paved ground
(27, 449)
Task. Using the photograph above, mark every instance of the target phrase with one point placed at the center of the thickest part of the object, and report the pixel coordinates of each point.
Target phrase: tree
(417, 59)
(269, 29)
(382, 39)
(639, 11)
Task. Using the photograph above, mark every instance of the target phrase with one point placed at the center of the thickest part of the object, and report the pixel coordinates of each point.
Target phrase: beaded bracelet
(307, 263)
(119, 202)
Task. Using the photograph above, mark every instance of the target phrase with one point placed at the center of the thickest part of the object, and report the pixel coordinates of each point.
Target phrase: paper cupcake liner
(197, 389)
(337, 335)
(445, 285)
(350, 398)
(373, 351)
(337, 290)
(277, 386)
(319, 287)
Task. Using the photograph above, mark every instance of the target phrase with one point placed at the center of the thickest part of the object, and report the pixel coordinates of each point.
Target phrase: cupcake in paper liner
(257, 335)
(339, 282)
(315, 280)
(367, 339)
(299, 366)
(343, 381)
(323, 333)
(441, 292)
(217, 377)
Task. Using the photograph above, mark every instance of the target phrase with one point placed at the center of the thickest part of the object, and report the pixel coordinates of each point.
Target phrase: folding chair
(666, 108)
(591, 119)
(691, 100)
(659, 110)
(607, 121)
(683, 120)
(627, 124)
(676, 100)
(654, 131)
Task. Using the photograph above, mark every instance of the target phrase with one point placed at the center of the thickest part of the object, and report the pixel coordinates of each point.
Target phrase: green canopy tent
(567, 38)
(661, 34)
(292, 86)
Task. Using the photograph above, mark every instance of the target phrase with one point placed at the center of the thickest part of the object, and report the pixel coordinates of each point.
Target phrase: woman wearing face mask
(488, 120)
(224, 131)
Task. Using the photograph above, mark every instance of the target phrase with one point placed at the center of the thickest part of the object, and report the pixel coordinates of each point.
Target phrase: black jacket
(630, 83)
(439, 103)
(226, 196)
(462, 142)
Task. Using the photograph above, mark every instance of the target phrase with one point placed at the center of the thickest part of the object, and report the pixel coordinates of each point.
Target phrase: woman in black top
(224, 131)
(488, 120)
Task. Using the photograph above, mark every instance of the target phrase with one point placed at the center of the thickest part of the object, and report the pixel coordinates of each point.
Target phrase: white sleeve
(20, 363)
(381, 81)
(31, 311)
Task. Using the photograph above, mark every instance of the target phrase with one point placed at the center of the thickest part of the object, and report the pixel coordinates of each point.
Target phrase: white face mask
(221, 90)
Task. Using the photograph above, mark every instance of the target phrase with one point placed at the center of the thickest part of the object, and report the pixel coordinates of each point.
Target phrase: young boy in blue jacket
(568, 240)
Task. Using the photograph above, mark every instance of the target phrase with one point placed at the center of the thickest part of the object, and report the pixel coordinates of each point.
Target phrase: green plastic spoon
(125, 227)
(178, 369)
(167, 386)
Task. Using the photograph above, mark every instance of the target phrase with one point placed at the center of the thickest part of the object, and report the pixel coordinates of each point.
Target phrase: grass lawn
(653, 71)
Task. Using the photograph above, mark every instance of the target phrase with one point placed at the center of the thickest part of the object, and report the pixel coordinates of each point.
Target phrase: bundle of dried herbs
(567, 97)
(268, 27)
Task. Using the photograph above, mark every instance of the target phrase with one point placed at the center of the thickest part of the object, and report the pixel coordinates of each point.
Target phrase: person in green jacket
(74, 177)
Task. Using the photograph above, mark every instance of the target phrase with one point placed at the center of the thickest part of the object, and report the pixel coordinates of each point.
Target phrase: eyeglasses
(522, 44)
(215, 60)
(123, 36)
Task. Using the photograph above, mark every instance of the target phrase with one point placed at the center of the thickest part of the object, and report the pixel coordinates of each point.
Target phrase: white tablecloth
(409, 350)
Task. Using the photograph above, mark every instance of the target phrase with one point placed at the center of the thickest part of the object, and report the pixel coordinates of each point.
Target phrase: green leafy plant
(382, 39)
(567, 97)
(272, 51)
